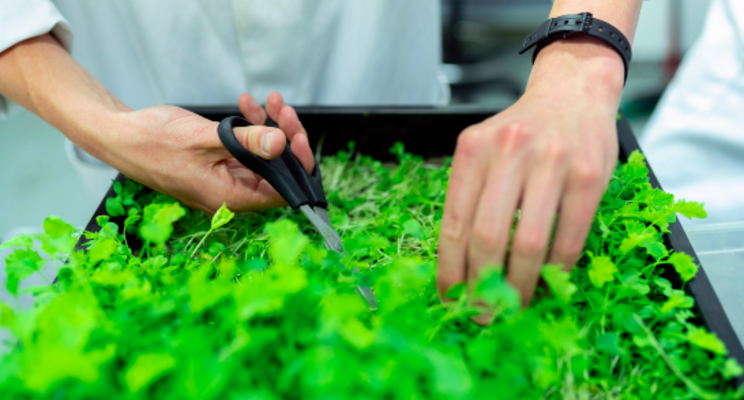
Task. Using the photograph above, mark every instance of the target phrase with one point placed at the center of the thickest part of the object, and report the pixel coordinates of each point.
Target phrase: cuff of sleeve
(24, 19)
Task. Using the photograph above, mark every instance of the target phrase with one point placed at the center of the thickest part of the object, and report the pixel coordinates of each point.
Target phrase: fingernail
(266, 143)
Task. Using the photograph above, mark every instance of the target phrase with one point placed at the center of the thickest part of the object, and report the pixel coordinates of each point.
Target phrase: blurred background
(480, 39)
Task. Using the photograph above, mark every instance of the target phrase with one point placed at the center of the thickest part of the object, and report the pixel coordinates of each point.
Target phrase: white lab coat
(208, 52)
(695, 139)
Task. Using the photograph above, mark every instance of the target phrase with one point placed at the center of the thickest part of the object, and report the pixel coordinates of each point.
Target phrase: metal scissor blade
(333, 241)
(367, 295)
(319, 218)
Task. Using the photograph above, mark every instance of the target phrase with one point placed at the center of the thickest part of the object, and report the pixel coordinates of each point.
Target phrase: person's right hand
(550, 155)
(177, 152)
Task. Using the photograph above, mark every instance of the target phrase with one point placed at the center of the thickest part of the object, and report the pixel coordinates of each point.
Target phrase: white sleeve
(24, 19)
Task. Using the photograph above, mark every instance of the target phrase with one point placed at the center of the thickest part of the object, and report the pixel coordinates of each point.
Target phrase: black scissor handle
(285, 173)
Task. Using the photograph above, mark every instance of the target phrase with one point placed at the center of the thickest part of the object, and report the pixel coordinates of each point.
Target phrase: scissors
(299, 188)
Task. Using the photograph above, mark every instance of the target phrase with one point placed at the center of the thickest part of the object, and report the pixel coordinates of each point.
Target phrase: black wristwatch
(576, 24)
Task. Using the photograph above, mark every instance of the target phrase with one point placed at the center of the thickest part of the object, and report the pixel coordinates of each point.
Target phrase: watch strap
(577, 24)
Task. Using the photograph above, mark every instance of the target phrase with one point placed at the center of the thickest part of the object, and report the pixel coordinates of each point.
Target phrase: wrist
(583, 64)
(95, 128)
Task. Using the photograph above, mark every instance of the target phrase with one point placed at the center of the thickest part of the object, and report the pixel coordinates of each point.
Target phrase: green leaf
(636, 159)
(221, 217)
(398, 149)
(21, 240)
(610, 343)
(637, 234)
(684, 265)
(677, 300)
(146, 368)
(456, 291)
(413, 228)
(451, 375)
(690, 209)
(114, 206)
(603, 226)
(654, 247)
(601, 270)
(19, 265)
(494, 290)
(366, 245)
(288, 242)
(158, 219)
(701, 338)
(102, 220)
(559, 282)
(732, 369)
(58, 236)
(131, 220)
(102, 249)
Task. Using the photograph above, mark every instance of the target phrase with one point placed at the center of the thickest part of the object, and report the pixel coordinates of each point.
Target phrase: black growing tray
(432, 132)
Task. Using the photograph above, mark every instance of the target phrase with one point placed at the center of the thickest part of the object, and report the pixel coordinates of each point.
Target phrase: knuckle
(453, 228)
(569, 252)
(514, 135)
(555, 152)
(531, 244)
(485, 237)
(587, 174)
(469, 141)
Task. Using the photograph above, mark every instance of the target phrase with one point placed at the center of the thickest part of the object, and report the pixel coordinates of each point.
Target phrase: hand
(178, 153)
(166, 148)
(550, 154)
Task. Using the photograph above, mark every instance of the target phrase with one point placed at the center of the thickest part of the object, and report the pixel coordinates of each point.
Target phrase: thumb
(263, 141)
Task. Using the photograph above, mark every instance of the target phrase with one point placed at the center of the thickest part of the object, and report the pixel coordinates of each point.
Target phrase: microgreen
(171, 303)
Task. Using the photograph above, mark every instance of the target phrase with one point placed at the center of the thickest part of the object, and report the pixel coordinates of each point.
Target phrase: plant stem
(675, 369)
(200, 244)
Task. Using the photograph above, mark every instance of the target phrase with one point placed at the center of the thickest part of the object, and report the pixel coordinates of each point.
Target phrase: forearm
(42, 77)
(595, 63)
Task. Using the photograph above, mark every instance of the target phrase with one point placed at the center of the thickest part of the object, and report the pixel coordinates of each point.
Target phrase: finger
(284, 115)
(290, 123)
(539, 204)
(464, 188)
(494, 218)
(579, 204)
(252, 111)
(498, 202)
(301, 148)
(274, 105)
(292, 127)
(263, 141)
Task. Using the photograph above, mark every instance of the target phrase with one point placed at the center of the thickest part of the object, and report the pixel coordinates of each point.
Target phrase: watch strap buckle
(540, 34)
(586, 22)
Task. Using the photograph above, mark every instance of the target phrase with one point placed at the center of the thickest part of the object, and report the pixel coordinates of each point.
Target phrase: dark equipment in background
(480, 56)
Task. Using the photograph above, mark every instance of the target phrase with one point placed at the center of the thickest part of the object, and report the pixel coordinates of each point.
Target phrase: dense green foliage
(250, 307)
